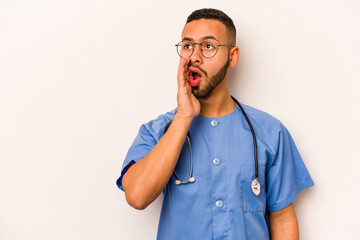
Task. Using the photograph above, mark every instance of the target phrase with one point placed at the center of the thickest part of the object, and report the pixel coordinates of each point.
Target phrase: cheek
(214, 68)
(211, 68)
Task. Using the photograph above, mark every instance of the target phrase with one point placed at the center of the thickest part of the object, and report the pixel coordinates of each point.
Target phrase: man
(218, 200)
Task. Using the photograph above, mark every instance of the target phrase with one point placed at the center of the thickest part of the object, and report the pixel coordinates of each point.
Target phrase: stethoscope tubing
(253, 135)
(192, 179)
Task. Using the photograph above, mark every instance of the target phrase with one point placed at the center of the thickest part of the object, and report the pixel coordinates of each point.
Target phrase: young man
(217, 190)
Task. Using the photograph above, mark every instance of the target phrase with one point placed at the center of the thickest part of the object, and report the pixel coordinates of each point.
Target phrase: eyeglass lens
(186, 48)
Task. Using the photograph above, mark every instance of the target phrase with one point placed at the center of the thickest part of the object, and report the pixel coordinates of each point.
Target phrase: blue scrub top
(220, 203)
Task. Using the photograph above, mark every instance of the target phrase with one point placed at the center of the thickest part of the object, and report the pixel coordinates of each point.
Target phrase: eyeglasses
(208, 48)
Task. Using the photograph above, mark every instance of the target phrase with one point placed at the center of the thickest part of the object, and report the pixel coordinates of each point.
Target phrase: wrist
(179, 117)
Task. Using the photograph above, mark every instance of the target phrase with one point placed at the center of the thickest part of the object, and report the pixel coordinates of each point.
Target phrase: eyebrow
(203, 38)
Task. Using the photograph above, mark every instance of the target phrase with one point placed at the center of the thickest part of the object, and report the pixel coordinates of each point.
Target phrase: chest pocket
(250, 202)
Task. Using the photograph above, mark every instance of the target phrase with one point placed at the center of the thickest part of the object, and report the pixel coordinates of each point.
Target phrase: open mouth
(194, 77)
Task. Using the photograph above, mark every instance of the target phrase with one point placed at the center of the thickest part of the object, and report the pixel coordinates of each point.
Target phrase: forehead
(198, 29)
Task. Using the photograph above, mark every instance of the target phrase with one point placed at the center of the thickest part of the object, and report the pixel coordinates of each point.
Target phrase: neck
(218, 103)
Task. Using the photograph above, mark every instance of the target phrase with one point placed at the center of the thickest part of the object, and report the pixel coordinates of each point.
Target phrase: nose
(196, 56)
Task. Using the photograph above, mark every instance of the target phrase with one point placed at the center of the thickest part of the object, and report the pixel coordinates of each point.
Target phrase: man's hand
(145, 180)
(188, 105)
(284, 225)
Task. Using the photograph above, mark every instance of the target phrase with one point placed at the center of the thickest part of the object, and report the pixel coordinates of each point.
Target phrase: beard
(212, 83)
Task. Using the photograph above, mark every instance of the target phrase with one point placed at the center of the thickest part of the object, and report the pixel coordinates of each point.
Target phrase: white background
(78, 78)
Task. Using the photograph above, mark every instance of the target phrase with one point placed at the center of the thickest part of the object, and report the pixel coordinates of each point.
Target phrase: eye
(187, 46)
(208, 46)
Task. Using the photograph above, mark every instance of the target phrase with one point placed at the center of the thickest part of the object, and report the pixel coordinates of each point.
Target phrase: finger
(181, 68)
(183, 71)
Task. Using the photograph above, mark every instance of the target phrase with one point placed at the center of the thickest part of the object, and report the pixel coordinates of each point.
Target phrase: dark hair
(210, 13)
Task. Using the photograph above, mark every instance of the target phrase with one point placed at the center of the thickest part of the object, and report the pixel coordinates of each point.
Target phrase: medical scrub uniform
(220, 203)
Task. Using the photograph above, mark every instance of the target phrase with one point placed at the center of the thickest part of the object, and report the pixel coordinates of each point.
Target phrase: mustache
(199, 68)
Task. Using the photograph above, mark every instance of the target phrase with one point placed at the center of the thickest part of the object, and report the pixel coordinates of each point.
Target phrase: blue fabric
(220, 203)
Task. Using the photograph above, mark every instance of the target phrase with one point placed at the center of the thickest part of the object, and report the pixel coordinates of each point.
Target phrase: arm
(283, 224)
(144, 181)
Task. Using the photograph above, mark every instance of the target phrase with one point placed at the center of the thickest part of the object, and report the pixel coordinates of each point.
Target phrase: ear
(234, 56)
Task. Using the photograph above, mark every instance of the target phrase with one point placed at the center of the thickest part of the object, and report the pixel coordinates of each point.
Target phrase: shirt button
(214, 123)
(219, 204)
(216, 161)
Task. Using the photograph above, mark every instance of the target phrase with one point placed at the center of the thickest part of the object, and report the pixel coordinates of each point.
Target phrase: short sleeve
(142, 145)
(287, 175)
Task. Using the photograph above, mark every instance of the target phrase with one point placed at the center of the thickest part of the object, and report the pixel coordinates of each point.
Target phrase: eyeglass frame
(218, 45)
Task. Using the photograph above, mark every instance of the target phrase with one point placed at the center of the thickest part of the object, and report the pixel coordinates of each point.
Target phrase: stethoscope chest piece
(255, 187)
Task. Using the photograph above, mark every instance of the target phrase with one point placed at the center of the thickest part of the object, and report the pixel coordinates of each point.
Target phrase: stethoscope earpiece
(190, 180)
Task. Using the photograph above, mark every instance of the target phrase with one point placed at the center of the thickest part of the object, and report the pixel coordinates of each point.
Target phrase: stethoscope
(255, 185)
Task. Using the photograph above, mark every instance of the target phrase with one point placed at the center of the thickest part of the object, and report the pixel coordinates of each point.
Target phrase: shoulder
(267, 127)
(156, 126)
(261, 118)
